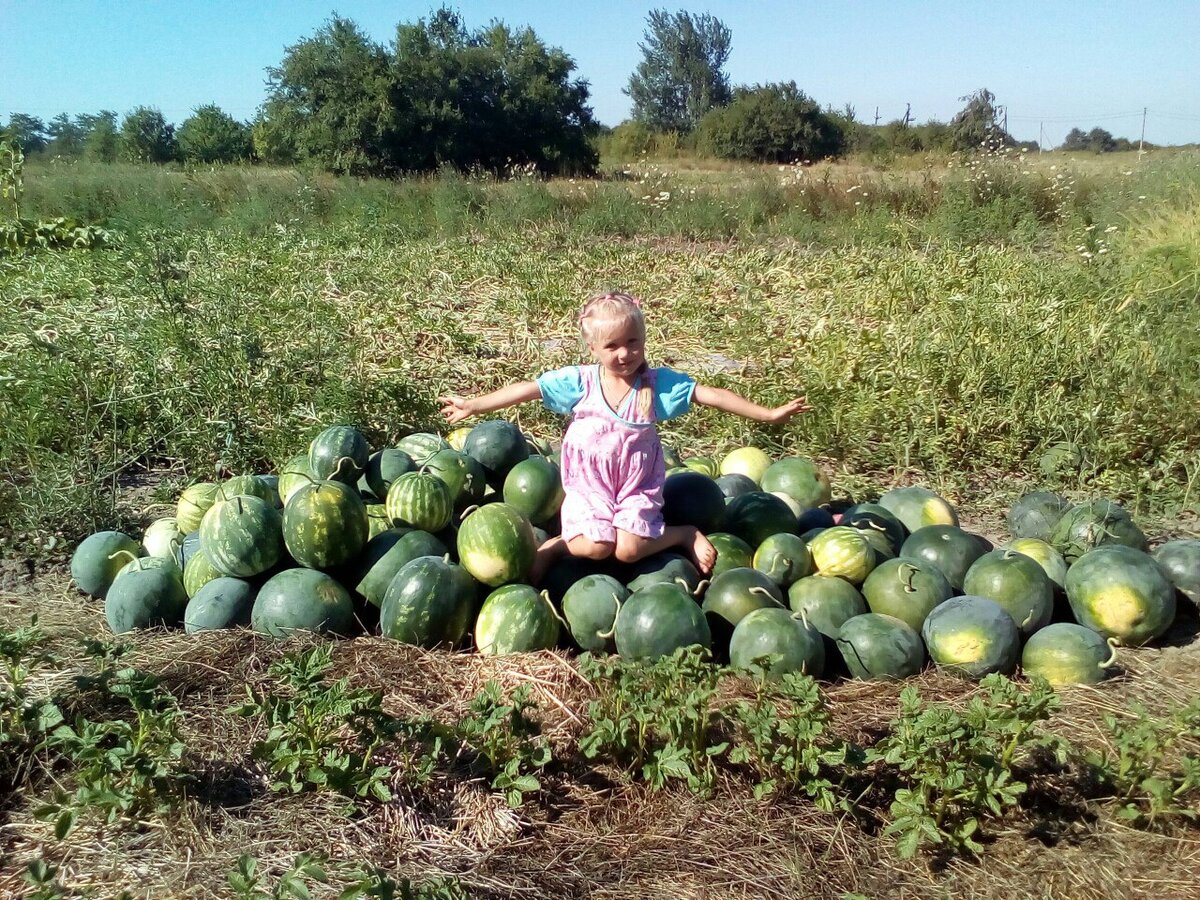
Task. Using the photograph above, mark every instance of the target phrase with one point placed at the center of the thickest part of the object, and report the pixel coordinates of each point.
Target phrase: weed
(25, 719)
(248, 883)
(506, 740)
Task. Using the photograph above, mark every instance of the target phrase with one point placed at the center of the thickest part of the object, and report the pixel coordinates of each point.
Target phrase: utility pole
(1142, 139)
(1006, 120)
(877, 116)
(907, 113)
(1041, 138)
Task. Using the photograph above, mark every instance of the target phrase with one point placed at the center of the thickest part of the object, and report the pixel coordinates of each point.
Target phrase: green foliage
(771, 123)
(1151, 765)
(658, 719)
(211, 135)
(321, 735)
(42, 878)
(147, 137)
(26, 131)
(506, 741)
(784, 736)
(976, 126)
(25, 717)
(956, 767)
(103, 140)
(680, 77)
(249, 884)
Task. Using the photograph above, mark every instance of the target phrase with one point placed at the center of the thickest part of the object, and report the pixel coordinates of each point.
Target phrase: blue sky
(1055, 64)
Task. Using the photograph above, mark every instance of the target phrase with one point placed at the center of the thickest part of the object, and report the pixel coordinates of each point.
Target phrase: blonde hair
(602, 311)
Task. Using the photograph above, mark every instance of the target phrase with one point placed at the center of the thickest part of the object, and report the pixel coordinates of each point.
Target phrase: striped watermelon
(340, 452)
(842, 552)
(193, 503)
(496, 544)
(429, 602)
(515, 618)
(325, 524)
(242, 536)
(295, 473)
(421, 445)
(302, 600)
(198, 572)
(421, 501)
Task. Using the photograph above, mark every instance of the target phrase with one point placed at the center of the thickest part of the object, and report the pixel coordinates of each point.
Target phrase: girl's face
(620, 347)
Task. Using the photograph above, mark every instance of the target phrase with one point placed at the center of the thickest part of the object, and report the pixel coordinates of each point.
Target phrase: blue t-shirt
(563, 388)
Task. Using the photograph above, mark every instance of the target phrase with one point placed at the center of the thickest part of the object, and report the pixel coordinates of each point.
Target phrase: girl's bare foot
(545, 557)
(703, 553)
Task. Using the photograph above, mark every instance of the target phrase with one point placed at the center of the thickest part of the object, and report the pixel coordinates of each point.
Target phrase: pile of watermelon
(431, 542)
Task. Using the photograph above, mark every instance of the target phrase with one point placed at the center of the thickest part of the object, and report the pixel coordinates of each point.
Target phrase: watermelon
(1066, 653)
(422, 445)
(668, 568)
(247, 486)
(378, 520)
(948, 547)
(590, 608)
(385, 555)
(325, 524)
(224, 602)
(749, 462)
(301, 600)
(881, 523)
(193, 503)
(826, 603)
(188, 547)
(816, 518)
(1061, 460)
(430, 602)
(657, 621)
(534, 487)
(842, 552)
(242, 536)
(1035, 514)
(734, 593)
(198, 572)
(1017, 583)
(799, 478)
(384, 467)
(340, 453)
(876, 647)
(515, 618)
(671, 458)
(295, 473)
(692, 498)
(98, 559)
(757, 515)
(1092, 525)
(785, 640)
(162, 537)
(918, 507)
(271, 483)
(734, 485)
(421, 501)
(972, 637)
(497, 446)
(1044, 555)
(1180, 560)
(147, 592)
(704, 465)
(784, 558)
(458, 471)
(1121, 593)
(496, 544)
(732, 552)
(566, 570)
(907, 589)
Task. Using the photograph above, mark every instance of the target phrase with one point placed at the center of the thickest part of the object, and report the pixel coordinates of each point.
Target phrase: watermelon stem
(1112, 659)
(608, 635)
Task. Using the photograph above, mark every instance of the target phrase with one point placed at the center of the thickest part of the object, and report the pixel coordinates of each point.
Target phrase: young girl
(612, 459)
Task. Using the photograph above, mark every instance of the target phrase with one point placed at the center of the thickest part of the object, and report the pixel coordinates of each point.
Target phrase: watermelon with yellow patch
(1121, 593)
(496, 544)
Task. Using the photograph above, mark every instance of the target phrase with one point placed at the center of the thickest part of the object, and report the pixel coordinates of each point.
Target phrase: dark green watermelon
(907, 589)
(693, 498)
(1017, 583)
(1035, 514)
(1066, 653)
(99, 558)
(811, 519)
(384, 467)
(590, 607)
(756, 515)
(666, 567)
(340, 453)
(872, 519)
(386, 554)
(1096, 524)
(972, 637)
(948, 547)
(732, 552)
(1121, 593)
(222, 603)
(430, 602)
(534, 487)
(784, 558)
(302, 600)
(657, 621)
(825, 602)
(783, 639)
(876, 647)
(735, 484)
(496, 445)
(734, 593)
(147, 592)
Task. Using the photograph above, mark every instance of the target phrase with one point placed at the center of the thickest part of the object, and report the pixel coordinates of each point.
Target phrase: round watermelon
(198, 572)
(302, 600)
(972, 637)
(784, 640)
(496, 544)
(876, 647)
(784, 558)
(749, 462)
(1121, 593)
(340, 452)
(692, 498)
(385, 555)
(799, 478)
(732, 552)
(1017, 583)
(325, 524)
(879, 523)
(224, 602)
(590, 607)
(1180, 560)
(162, 537)
(948, 547)
(496, 445)
(1044, 555)
(1066, 653)
(666, 567)
(458, 471)
(294, 474)
(421, 501)
(430, 602)
(98, 559)
(842, 552)
(422, 445)
(384, 467)
(918, 507)
(534, 487)
(826, 603)
(515, 618)
(193, 503)
(908, 589)
(734, 485)
(704, 465)
(1035, 514)
(734, 593)
(1096, 524)
(242, 536)
(757, 515)
(657, 621)
(147, 592)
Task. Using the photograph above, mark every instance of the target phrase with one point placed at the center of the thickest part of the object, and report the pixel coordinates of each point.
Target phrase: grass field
(948, 320)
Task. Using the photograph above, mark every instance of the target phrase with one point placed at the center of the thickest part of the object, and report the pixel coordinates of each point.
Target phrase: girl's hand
(781, 414)
(455, 408)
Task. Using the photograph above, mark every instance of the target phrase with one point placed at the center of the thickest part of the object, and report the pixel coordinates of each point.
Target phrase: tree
(680, 77)
(976, 126)
(147, 137)
(1098, 140)
(101, 140)
(27, 132)
(66, 136)
(772, 123)
(1076, 139)
(210, 135)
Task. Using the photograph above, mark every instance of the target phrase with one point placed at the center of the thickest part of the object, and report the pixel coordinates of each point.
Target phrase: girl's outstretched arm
(728, 401)
(456, 408)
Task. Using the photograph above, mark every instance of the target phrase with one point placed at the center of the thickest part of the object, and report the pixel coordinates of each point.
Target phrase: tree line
(499, 99)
